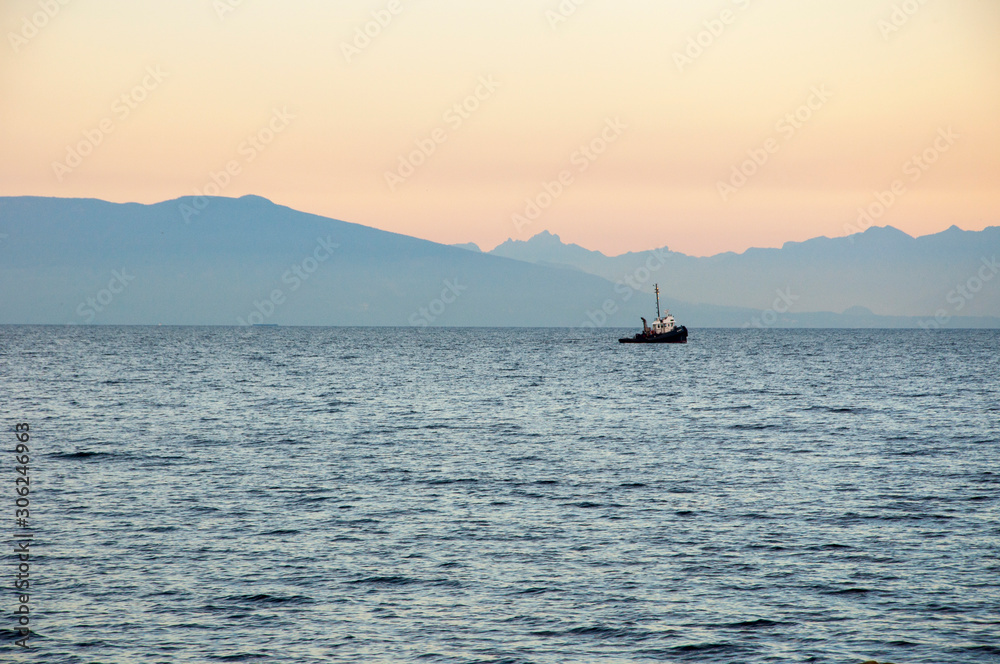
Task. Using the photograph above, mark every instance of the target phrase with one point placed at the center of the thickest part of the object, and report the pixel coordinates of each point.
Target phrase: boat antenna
(657, 286)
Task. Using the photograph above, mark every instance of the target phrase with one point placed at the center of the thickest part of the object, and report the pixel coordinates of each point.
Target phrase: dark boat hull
(675, 336)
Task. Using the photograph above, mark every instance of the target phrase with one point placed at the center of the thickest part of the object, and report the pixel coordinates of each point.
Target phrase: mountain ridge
(248, 259)
(882, 269)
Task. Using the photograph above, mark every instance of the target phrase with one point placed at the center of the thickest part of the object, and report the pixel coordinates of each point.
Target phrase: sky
(705, 126)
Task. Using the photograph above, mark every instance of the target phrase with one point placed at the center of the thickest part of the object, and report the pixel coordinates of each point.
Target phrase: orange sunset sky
(706, 126)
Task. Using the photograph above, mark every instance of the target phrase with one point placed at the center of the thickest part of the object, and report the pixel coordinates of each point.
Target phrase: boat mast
(657, 301)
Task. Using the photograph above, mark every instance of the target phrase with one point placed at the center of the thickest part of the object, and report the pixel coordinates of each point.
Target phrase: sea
(502, 496)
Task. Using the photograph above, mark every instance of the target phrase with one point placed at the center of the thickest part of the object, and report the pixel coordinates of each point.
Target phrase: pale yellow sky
(311, 117)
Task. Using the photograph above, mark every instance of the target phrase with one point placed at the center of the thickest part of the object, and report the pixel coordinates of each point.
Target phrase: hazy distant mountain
(234, 261)
(883, 270)
(228, 261)
(547, 249)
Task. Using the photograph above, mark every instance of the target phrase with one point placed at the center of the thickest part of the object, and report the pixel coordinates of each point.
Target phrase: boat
(664, 330)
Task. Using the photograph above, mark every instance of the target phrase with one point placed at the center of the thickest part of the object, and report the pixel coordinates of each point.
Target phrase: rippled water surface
(452, 496)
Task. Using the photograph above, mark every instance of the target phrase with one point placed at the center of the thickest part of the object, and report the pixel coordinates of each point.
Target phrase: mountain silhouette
(883, 270)
(233, 261)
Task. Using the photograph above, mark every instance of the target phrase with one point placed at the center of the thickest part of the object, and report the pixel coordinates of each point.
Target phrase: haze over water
(511, 495)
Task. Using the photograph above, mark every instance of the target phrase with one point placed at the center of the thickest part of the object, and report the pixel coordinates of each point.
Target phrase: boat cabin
(663, 325)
